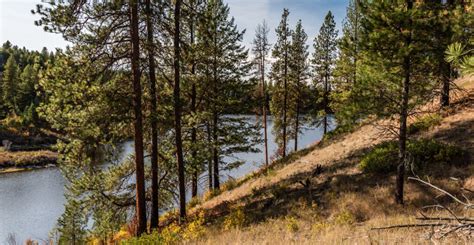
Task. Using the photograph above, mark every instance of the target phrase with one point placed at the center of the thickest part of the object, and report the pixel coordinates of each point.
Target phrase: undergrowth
(424, 123)
(422, 156)
(173, 233)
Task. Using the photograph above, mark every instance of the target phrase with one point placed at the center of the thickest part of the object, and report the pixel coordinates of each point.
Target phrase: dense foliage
(20, 71)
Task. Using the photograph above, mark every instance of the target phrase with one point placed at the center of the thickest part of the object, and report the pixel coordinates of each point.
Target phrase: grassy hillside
(321, 195)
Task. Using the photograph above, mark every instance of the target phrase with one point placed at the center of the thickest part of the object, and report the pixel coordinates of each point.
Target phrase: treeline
(19, 77)
(168, 73)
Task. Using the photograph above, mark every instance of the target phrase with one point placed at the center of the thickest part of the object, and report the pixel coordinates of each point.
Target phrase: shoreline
(11, 170)
(18, 161)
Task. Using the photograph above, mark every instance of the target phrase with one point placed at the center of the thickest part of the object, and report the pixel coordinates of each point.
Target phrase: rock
(6, 145)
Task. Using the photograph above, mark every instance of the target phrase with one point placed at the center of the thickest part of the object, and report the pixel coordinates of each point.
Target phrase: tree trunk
(154, 122)
(194, 111)
(446, 76)
(209, 140)
(138, 124)
(177, 112)
(215, 153)
(264, 110)
(195, 173)
(402, 138)
(285, 95)
(325, 102)
(297, 121)
(446, 66)
(215, 118)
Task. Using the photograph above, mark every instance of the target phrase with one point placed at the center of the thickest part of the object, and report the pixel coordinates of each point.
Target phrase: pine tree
(194, 117)
(324, 58)
(72, 223)
(138, 124)
(26, 91)
(10, 83)
(452, 23)
(261, 48)
(345, 72)
(177, 110)
(298, 73)
(153, 117)
(280, 76)
(223, 66)
(98, 76)
(395, 86)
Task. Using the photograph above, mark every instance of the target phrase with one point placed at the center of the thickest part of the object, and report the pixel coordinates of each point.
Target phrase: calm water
(31, 202)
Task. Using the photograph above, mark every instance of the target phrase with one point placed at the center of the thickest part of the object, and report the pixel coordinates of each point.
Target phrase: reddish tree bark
(138, 124)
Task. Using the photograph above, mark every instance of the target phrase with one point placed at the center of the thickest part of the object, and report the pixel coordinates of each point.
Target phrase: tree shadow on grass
(336, 180)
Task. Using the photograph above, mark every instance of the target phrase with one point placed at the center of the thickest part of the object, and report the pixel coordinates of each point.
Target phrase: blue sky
(16, 20)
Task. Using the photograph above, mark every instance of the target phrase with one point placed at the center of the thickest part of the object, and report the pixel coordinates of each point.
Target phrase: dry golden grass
(346, 216)
(276, 231)
(347, 203)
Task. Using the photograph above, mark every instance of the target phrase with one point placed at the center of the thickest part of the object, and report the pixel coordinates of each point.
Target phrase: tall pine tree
(324, 59)
(298, 73)
(224, 67)
(281, 77)
(10, 82)
(345, 73)
(261, 48)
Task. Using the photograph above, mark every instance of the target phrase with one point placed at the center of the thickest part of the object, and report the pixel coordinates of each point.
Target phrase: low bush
(344, 218)
(382, 159)
(292, 224)
(424, 123)
(172, 234)
(236, 219)
(422, 155)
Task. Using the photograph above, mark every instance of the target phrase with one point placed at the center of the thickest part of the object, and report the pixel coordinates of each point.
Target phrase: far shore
(12, 162)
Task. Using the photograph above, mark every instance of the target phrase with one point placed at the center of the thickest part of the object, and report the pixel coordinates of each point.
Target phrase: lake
(32, 201)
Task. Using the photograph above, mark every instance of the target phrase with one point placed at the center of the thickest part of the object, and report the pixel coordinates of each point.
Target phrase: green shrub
(422, 154)
(236, 219)
(382, 159)
(424, 123)
(292, 224)
(344, 218)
